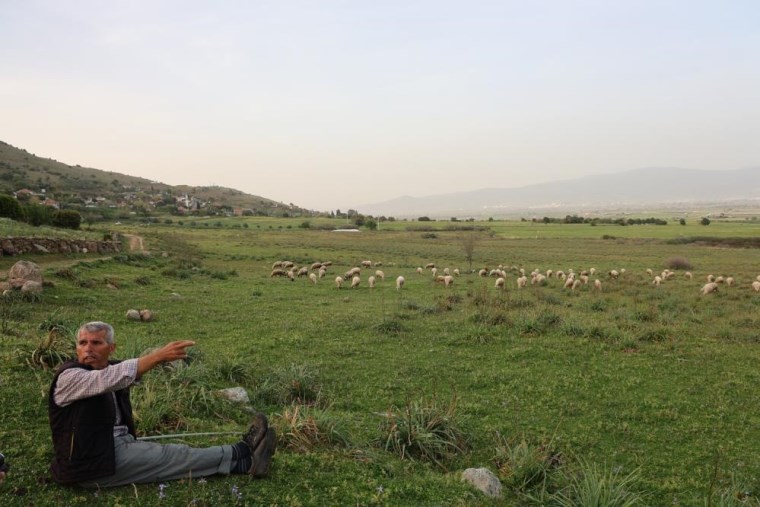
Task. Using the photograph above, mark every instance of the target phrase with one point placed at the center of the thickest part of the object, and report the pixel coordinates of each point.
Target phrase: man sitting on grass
(94, 434)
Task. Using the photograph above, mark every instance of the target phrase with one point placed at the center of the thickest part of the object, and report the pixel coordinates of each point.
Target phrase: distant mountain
(637, 188)
(20, 169)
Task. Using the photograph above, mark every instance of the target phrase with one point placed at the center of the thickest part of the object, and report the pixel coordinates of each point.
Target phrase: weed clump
(523, 465)
(292, 384)
(423, 430)
(390, 327)
(678, 263)
(304, 428)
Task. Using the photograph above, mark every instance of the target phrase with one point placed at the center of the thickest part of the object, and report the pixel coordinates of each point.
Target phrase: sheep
(355, 281)
(366, 264)
(657, 281)
(729, 281)
(448, 280)
(576, 284)
(399, 282)
(291, 275)
(429, 265)
(719, 279)
(277, 272)
(483, 272)
(561, 275)
(522, 282)
(287, 264)
(456, 271)
(614, 274)
(313, 278)
(434, 271)
(649, 272)
(756, 285)
(327, 264)
(377, 264)
(338, 282)
(438, 279)
(622, 271)
(322, 272)
(549, 273)
(598, 285)
(539, 279)
(419, 271)
(688, 275)
(709, 288)
(499, 283)
(583, 279)
(352, 273)
(569, 283)
(304, 271)
(710, 278)
(758, 278)
(277, 264)
(371, 282)
(379, 275)
(446, 272)
(592, 271)
(316, 265)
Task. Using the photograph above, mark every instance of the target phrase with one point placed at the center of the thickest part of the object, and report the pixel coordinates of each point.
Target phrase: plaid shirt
(77, 383)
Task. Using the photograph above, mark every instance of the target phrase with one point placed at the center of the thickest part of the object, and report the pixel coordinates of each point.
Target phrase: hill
(75, 185)
(639, 188)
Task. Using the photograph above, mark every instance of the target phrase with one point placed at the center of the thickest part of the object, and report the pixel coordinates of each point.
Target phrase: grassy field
(553, 390)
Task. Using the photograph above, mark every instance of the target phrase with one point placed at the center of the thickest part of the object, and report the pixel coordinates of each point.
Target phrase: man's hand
(169, 352)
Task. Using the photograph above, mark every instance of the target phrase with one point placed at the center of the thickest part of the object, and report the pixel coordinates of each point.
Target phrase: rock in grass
(236, 394)
(146, 315)
(31, 287)
(484, 480)
(133, 314)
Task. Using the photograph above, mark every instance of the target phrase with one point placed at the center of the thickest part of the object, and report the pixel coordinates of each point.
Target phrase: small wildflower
(161, 492)
(380, 489)
(236, 492)
(202, 481)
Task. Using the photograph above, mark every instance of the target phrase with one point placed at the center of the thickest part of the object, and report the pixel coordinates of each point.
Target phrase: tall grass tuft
(304, 428)
(523, 465)
(292, 384)
(424, 430)
(596, 485)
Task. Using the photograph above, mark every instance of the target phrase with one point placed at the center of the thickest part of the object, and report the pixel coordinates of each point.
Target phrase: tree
(370, 224)
(68, 219)
(469, 242)
(705, 221)
(682, 221)
(10, 208)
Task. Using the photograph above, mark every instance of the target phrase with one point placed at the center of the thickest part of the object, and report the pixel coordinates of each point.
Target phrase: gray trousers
(138, 461)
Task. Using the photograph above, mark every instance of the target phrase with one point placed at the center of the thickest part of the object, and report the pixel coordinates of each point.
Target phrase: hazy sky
(333, 104)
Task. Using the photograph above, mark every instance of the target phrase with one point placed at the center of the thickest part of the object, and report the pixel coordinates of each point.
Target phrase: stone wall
(16, 246)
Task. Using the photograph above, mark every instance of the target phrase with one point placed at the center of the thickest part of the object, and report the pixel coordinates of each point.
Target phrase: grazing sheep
(657, 280)
(649, 272)
(622, 271)
(352, 273)
(522, 272)
(277, 264)
(366, 264)
(291, 275)
(456, 271)
(338, 282)
(719, 279)
(399, 282)
(688, 275)
(758, 278)
(583, 279)
(549, 273)
(429, 265)
(287, 264)
(355, 281)
(592, 271)
(277, 272)
(316, 265)
(729, 281)
(483, 272)
(756, 285)
(561, 275)
(419, 271)
(576, 284)
(598, 285)
(522, 282)
(539, 279)
(499, 283)
(569, 283)
(709, 288)
(327, 264)
(434, 271)
(377, 264)
(313, 278)
(304, 271)
(448, 280)
(438, 279)
(446, 272)
(613, 274)
(371, 282)
(710, 278)
(380, 275)
(322, 272)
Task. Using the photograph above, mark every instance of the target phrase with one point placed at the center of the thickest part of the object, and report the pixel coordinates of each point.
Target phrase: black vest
(83, 433)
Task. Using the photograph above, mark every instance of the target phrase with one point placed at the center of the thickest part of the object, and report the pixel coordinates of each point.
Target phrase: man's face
(93, 349)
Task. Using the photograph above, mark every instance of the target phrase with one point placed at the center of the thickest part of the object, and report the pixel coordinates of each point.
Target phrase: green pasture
(658, 382)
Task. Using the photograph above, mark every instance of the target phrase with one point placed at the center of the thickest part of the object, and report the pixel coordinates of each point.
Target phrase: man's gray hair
(98, 327)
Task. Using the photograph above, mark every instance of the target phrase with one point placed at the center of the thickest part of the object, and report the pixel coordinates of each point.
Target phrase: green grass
(653, 379)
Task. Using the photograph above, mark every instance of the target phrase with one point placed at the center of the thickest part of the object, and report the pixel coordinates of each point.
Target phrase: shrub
(304, 428)
(523, 465)
(67, 219)
(423, 430)
(10, 208)
(678, 263)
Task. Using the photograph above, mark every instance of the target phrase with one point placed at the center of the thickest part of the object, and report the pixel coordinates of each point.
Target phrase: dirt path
(135, 243)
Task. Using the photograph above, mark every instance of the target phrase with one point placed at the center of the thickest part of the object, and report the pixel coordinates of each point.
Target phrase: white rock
(484, 480)
(236, 394)
(133, 314)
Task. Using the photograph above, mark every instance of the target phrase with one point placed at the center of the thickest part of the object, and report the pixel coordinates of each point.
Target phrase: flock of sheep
(570, 280)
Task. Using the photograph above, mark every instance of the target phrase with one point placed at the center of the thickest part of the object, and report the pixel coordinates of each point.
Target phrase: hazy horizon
(337, 104)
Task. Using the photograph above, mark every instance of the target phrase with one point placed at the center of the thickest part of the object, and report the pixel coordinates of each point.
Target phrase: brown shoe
(262, 456)
(256, 431)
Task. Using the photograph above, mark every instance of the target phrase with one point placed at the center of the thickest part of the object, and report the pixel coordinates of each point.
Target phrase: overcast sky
(332, 104)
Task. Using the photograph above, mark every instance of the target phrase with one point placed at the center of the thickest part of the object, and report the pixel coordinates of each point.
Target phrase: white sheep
(291, 275)
(456, 271)
(657, 280)
(756, 285)
(583, 279)
(522, 282)
(688, 275)
(429, 265)
(549, 273)
(598, 285)
(355, 281)
(379, 275)
(649, 272)
(338, 282)
(709, 288)
(500, 283)
(313, 278)
(622, 271)
(720, 279)
(371, 282)
(434, 271)
(399, 282)
(448, 280)
(576, 284)
(592, 271)
(729, 281)
(561, 275)
(569, 282)
(277, 264)
(710, 278)
(304, 271)
(483, 272)
(419, 271)
(446, 272)
(758, 278)
(316, 266)
(322, 272)
(614, 274)
(366, 264)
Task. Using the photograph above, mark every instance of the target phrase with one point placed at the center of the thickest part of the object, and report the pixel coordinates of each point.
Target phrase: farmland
(658, 383)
